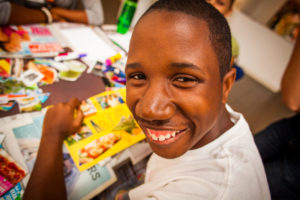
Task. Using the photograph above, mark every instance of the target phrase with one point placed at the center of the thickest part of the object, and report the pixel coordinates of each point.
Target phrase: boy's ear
(228, 81)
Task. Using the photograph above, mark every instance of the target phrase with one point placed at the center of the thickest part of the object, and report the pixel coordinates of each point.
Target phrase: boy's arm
(47, 178)
(290, 84)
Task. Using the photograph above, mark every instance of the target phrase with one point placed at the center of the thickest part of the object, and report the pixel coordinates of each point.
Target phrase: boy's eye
(185, 81)
(137, 76)
(136, 79)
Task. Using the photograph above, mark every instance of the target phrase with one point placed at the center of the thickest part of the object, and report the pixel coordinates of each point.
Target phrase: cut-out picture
(83, 133)
(97, 147)
(128, 124)
(88, 107)
(109, 100)
(96, 126)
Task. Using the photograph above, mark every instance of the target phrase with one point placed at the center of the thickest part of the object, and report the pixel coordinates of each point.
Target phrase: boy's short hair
(220, 35)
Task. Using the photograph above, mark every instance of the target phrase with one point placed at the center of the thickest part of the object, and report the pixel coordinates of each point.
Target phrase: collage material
(107, 129)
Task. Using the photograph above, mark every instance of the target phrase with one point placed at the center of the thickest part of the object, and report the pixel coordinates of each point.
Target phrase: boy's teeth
(154, 137)
(161, 138)
(157, 137)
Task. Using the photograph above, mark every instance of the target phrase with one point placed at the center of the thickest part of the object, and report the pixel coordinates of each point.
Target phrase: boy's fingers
(74, 103)
(78, 121)
(79, 118)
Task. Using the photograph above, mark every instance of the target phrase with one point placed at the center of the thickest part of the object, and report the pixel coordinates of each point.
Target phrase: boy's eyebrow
(132, 65)
(186, 65)
(178, 65)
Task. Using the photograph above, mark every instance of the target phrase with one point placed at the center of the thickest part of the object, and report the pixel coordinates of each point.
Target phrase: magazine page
(11, 172)
(23, 132)
(108, 128)
(34, 40)
(86, 184)
(28, 137)
(10, 142)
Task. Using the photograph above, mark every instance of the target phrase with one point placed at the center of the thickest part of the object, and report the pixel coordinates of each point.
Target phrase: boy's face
(223, 6)
(174, 89)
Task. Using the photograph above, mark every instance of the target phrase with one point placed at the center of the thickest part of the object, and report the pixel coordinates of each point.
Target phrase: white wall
(264, 55)
(143, 5)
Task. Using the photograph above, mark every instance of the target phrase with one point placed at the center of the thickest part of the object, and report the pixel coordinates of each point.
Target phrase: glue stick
(126, 16)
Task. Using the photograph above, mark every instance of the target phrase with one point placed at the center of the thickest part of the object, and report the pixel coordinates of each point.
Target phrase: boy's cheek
(130, 108)
(130, 99)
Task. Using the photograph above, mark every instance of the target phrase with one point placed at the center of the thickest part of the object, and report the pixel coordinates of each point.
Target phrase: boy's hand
(63, 119)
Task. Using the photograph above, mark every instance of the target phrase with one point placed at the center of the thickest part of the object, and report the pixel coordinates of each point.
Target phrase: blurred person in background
(30, 11)
(279, 143)
(225, 8)
(17, 12)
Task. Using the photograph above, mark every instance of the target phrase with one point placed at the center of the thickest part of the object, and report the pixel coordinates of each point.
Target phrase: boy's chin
(166, 152)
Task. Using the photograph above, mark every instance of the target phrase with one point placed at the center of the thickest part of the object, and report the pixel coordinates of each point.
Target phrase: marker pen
(69, 56)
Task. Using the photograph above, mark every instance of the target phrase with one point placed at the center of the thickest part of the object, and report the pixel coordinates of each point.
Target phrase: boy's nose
(155, 104)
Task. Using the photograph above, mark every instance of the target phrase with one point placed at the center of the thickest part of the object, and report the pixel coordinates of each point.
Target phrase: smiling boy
(178, 80)
(174, 84)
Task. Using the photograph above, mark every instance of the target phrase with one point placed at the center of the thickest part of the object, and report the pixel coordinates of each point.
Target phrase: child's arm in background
(47, 178)
(78, 16)
(20, 15)
(93, 13)
(290, 84)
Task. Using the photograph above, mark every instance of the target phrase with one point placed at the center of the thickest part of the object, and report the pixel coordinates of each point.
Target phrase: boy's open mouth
(163, 136)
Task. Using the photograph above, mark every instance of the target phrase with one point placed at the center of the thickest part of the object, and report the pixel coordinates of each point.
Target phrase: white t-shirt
(227, 168)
